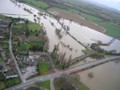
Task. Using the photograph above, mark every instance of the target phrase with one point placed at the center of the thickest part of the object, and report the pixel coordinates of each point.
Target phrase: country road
(60, 73)
(12, 55)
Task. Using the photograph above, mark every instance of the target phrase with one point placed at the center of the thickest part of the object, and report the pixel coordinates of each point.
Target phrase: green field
(90, 17)
(38, 4)
(43, 68)
(45, 84)
(24, 46)
(34, 26)
(34, 45)
(112, 29)
(18, 26)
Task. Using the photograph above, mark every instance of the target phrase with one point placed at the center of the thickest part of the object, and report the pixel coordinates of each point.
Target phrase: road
(61, 73)
(91, 64)
(12, 55)
(52, 84)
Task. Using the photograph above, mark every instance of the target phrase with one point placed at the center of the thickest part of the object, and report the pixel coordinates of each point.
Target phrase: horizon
(115, 4)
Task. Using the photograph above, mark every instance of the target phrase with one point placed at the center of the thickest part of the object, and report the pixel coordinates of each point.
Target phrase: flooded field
(81, 33)
(106, 77)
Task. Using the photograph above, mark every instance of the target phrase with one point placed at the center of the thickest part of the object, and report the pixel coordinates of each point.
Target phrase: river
(69, 46)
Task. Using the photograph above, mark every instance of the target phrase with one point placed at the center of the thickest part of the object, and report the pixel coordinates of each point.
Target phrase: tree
(2, 77)
(26, 21)
(27, 33)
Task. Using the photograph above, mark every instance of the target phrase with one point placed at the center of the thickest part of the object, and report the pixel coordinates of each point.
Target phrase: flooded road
(106, 77)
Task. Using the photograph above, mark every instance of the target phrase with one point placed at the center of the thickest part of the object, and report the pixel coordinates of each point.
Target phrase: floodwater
(106, 77)
(66, 44)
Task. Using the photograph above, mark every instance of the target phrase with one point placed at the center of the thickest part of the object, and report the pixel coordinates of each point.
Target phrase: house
(5, 21)
(11, 74)
(2, 67)
(21, 22)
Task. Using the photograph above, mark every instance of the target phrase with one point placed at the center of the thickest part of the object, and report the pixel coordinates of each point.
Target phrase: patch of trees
(37, 46)
(2, 77)
(57, 31)
(97, 56)
(96, 47)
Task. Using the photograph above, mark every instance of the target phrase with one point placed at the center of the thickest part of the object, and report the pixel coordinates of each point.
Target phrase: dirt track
(76, 18)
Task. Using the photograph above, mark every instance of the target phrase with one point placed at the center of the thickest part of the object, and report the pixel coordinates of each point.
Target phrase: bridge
(60, 73)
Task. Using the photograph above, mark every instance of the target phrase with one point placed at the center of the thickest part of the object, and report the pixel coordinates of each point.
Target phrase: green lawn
(33, 45)
(24, 46)
(34, 26)
(43, 68)
(11, 82)
(36, 45)
(18, 26)
(45, 84)
(38, 4)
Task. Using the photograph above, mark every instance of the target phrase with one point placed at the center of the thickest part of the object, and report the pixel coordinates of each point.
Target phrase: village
(29, 46)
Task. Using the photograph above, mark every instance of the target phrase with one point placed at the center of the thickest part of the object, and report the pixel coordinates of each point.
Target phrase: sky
(111, 3)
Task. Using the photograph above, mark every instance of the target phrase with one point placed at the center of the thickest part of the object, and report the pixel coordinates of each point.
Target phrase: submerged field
(112, 29)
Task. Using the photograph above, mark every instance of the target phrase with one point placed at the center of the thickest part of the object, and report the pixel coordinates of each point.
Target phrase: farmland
(37, 4)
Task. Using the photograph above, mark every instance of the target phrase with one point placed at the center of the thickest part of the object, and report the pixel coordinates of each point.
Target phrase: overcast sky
(111, 3)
